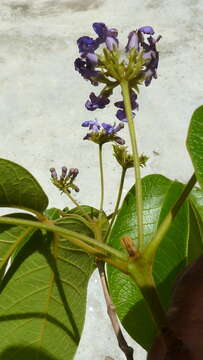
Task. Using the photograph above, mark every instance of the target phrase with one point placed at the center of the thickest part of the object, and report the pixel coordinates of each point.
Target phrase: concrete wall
(42, 105)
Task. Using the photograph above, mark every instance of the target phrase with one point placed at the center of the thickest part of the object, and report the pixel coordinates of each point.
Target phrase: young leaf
(42, 309)
(195, 143)
(159, 193)
(19, 189)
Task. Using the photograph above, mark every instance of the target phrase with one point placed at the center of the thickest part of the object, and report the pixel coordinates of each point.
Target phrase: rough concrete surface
(42, 97)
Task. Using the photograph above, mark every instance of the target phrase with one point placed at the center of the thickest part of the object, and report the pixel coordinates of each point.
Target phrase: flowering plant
(151, 241)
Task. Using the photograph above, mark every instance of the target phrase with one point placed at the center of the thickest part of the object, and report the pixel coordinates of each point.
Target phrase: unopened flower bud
(64, 172)
(119, 140)
(53, 173)
(70, 173)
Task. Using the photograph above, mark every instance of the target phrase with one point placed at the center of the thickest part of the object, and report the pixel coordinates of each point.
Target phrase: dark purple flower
(121, 115)
(86, 45)
(151, 53)
(96, 102)
(92, 125)
(86, 69)
(107, 35)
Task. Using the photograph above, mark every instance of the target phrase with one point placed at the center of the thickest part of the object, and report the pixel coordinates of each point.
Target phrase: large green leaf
(12, 237)
(42, 308)
(159, 193)
(195, 143)
(196, 224)
(18, 188)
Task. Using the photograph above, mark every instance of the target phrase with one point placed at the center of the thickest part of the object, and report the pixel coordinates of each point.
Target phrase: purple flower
(96, 102)
(146, 30)
(86, 45)
(92, 124)
(112, 129)
(151, 53)
(86, 69)
(107, 35)
(133, 41)
(106, 134)
(121, 115)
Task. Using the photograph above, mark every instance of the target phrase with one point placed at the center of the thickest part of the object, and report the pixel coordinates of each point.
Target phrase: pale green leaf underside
(159, 193)
(18, 188)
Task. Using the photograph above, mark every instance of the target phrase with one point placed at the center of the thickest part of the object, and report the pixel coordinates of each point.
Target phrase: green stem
(117, 203)
(152, 247)
(106, 252)
(138, 184)
(102, 178)
(77, 205)
(141, 273)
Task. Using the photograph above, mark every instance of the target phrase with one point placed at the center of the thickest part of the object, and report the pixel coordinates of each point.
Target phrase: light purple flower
(92, 125)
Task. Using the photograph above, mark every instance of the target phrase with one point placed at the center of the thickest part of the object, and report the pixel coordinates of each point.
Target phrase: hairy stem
(152, 247)
(128, 351)
(117, 203)
(138, 184)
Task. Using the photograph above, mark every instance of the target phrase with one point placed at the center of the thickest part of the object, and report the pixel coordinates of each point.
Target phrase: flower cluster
(103, 133)
(139, 66)
(65, 181)
(125, 159)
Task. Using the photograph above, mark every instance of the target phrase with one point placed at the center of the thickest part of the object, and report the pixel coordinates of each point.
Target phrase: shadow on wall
(21, 352)
(50, 7)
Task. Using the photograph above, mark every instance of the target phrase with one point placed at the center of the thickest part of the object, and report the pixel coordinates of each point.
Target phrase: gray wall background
(42, 106)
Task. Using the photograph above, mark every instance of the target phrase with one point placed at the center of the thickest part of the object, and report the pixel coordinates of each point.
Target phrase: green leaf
(196, 198)
(42, 309)
(18, 188)
(196, 224)
(159, 193)
(12, 238)
(195, 143)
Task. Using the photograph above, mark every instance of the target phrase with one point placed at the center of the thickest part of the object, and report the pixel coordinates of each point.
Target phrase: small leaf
(159, 193)
(18, 188)
(195, 143)
(42, 309)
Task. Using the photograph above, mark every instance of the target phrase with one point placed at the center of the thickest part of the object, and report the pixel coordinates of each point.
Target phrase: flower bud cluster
(65, 181)
(125, 159)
